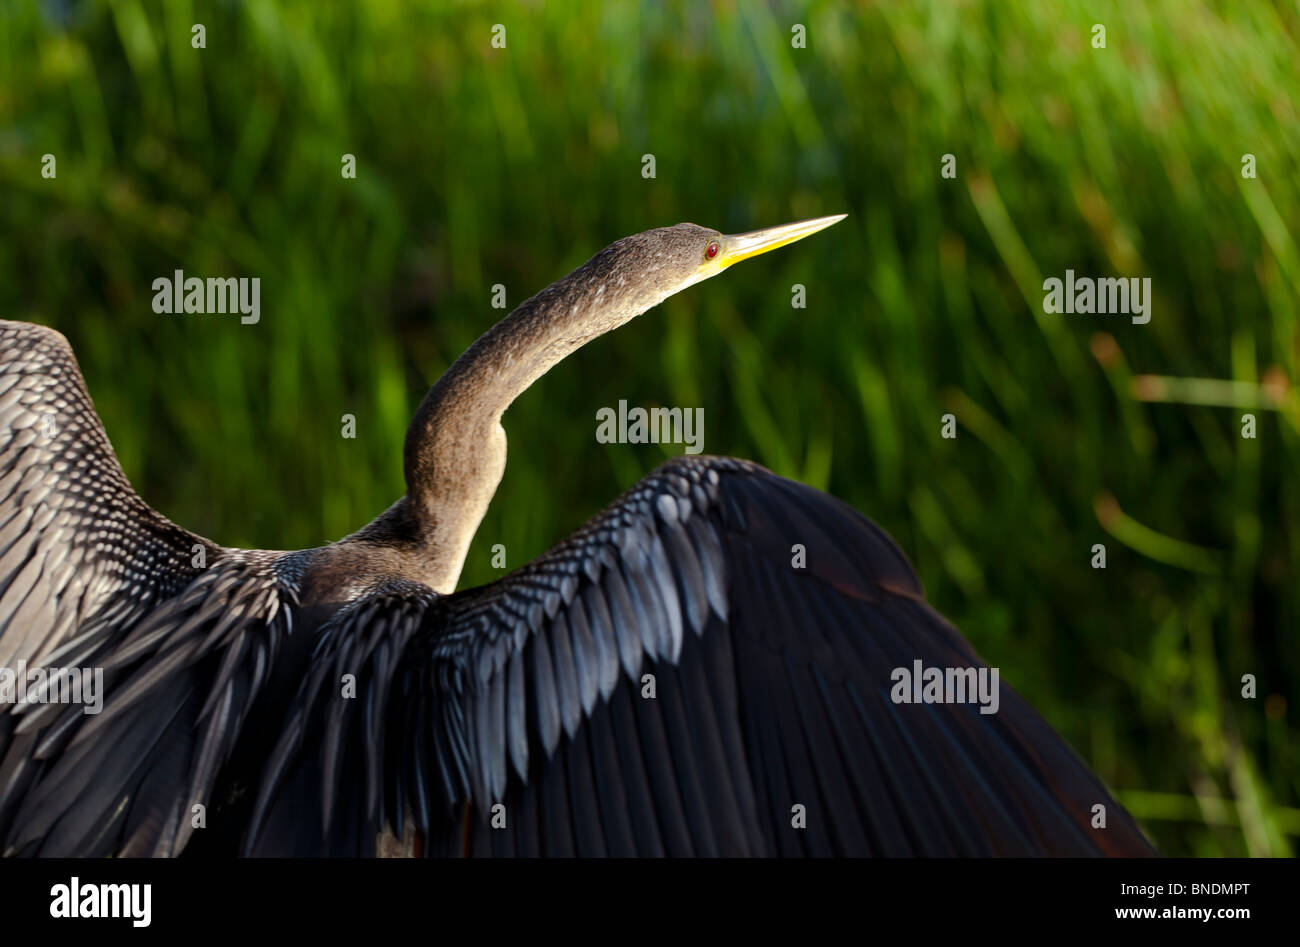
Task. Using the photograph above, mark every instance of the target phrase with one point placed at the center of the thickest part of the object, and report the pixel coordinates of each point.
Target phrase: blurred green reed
(479, 166)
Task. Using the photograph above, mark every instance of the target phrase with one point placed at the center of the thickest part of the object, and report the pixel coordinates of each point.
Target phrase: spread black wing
(91, 577)
(705, 668)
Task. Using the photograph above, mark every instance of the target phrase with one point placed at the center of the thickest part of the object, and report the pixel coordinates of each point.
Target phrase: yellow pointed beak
(742, 246)
(732, 248)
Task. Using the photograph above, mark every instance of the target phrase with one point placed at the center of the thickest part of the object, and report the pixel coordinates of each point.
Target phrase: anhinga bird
(320, 701)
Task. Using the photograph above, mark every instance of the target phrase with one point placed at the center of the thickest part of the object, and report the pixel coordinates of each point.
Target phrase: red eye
(712, 250)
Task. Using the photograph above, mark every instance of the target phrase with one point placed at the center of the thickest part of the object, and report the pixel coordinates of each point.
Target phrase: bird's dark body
(235, 790)
(669, 680)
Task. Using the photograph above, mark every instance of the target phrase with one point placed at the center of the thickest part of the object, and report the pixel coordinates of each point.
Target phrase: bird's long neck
(455, 449)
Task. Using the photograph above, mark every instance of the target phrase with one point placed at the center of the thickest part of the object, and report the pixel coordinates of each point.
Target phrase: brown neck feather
(455, 448)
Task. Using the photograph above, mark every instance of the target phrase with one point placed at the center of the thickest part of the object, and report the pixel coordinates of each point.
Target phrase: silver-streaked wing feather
(80, 552)
(93, 579)
(769, 699)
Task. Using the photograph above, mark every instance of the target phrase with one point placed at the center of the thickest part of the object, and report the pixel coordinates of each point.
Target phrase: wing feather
(92, 578)
(570, 693)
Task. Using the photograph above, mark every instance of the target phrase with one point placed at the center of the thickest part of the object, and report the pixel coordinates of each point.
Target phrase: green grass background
(479, 166)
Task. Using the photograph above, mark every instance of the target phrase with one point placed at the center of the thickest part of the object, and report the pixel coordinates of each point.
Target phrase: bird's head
(646, 268)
